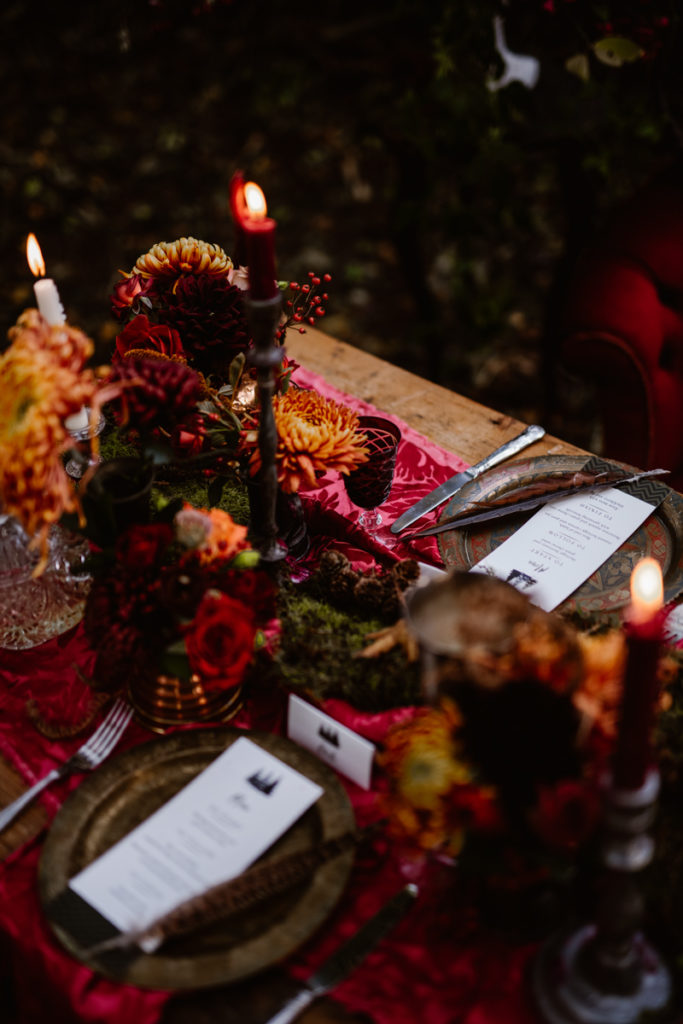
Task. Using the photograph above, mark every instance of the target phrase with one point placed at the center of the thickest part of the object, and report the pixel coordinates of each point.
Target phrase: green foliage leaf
(579, 65)
(616, 50)
(236, 369)
(175, 662)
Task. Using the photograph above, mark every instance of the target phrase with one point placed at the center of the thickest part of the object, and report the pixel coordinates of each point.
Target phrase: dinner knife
(348, 956)
(449, 488)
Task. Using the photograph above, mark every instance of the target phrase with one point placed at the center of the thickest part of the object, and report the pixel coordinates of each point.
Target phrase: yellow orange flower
(421, 759)
(184, 256)
(315, 435)
(43, 382)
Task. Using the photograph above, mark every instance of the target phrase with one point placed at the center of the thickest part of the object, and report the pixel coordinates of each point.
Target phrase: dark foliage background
(447, 214)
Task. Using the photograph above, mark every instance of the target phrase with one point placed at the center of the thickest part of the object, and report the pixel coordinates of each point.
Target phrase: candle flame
(255, 201)
(647, 589)
(35, 256)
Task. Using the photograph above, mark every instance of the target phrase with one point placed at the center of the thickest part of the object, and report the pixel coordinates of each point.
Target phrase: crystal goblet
(369, 485)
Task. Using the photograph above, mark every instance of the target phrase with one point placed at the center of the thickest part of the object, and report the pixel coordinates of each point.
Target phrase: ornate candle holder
(264, 316)
(76, 467)
(606, 972)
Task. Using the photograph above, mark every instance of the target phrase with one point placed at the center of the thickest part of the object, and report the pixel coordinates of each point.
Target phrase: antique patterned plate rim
(180, 751)
(458, 556)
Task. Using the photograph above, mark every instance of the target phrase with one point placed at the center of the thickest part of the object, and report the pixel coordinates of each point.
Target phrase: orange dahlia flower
(211, 533)
(43, 382)
(184, 256)
(315, 435)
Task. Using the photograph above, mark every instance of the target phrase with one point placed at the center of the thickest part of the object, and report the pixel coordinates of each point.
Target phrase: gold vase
(164, 701)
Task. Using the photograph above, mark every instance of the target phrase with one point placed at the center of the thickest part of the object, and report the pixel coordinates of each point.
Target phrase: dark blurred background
(448, 214)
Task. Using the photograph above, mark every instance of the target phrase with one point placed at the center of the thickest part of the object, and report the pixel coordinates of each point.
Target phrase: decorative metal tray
(607, 590)
(130, 787)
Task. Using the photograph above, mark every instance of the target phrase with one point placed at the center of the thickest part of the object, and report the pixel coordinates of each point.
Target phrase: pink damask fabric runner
(432, 968)
(420, 467)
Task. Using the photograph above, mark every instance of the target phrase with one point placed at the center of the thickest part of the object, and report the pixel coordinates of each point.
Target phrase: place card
(568, 539)
(336, 744)
(209, 832)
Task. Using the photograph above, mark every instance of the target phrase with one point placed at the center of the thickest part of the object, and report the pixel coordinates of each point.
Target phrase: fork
(91, 754)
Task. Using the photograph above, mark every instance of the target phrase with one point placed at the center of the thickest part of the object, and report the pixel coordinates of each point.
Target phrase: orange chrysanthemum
(315, 435)
(184, 256)
(43, 382)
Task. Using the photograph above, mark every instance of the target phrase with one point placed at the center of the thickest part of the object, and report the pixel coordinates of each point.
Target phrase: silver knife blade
(498, 512)
(451, 486)
(348, 956)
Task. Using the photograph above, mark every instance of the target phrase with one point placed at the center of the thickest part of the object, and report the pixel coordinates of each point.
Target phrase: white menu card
(209, 832)
(567, 540)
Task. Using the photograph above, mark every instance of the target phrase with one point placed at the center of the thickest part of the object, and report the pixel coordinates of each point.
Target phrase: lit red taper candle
(257, 231)
(633, 754)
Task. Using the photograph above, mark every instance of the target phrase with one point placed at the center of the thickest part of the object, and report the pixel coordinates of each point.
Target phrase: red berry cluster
(305, 304)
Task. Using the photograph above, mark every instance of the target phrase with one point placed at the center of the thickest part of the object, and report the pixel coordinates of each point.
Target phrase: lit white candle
(78, 420)
(47, 296)
(51, 309)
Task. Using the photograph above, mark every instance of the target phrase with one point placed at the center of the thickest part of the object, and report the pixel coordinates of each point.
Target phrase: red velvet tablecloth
(431, 967)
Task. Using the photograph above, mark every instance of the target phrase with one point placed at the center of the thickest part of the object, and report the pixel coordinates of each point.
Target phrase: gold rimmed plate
(127, 789)
(607, 590)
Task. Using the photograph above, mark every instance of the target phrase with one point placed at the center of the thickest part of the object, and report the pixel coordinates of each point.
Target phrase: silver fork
(91, 754)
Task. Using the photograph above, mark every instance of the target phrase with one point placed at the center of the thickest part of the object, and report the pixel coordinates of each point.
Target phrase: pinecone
(405, 573)
(332, 563)
(369, 592)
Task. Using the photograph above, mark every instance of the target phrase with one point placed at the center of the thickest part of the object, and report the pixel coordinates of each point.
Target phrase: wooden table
(450, 420)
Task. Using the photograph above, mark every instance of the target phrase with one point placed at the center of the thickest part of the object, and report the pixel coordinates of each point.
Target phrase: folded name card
(209, 832)
(568, 539)
(337, 745)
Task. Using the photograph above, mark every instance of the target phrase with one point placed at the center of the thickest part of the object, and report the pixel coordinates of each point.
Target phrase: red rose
(128, 295)
(141, 333)
(220, 640)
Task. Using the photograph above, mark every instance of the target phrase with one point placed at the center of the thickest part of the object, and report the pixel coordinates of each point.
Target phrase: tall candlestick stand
(606, 972)
(266, 356)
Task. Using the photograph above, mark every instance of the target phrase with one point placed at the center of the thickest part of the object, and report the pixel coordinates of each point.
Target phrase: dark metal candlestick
(606, 972)
(266, 356)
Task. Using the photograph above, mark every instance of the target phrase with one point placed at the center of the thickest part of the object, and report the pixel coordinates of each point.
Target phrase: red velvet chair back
(623, 328)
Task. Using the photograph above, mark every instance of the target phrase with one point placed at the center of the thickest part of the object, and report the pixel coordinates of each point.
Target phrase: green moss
(318, 655)
(195, 491)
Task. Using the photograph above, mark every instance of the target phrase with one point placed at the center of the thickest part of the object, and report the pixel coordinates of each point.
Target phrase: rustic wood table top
(450, 420)
(456, 423)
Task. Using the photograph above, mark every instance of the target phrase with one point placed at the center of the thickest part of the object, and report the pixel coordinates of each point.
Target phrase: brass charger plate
(127, 789)
(607, 590)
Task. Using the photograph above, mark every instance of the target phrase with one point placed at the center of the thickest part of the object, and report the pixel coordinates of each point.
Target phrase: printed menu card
(208, 833)
(569, 538)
